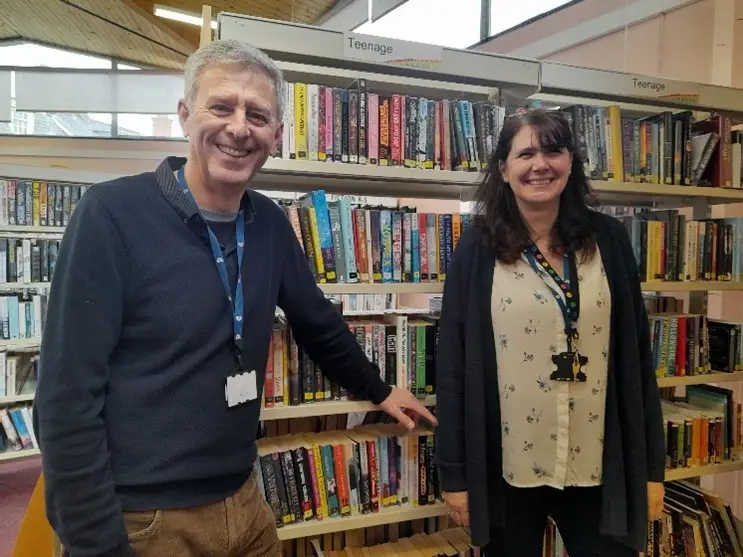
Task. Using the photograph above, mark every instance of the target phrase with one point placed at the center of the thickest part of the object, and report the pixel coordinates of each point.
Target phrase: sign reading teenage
(390, 51)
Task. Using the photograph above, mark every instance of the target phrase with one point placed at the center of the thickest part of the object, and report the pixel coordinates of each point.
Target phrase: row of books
(664, 148)
(345, 243)
(402, 347)
(18, 374)
(449, 542)
(693, 344)
(679, 344)
(335, 474)
(656, 303)
(702, 429)
(27, 260)
(22, 316)
(16, 429)
(670, 247)
(37, 203)
(358, 126)
(695, 522)
(380, 301)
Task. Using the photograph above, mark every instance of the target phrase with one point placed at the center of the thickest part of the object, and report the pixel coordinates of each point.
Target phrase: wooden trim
(206, 25)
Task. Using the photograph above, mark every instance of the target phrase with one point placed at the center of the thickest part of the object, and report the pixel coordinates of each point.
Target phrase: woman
(547, 398)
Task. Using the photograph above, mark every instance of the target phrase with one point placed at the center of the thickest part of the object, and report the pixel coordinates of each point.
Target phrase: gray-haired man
(162, 301)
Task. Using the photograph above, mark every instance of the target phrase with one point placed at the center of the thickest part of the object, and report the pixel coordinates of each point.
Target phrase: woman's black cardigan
(468, 448)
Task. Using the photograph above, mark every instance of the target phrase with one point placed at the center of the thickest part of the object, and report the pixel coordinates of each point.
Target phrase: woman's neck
(539, 222)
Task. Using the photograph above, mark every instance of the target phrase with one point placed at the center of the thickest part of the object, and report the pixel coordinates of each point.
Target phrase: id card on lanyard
(241, 385)
(570, 364)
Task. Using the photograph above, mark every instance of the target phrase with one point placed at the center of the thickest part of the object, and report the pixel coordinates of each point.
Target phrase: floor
(17, 481)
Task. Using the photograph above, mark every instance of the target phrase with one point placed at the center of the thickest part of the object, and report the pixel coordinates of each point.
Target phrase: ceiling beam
(188, 33)
(345, 15)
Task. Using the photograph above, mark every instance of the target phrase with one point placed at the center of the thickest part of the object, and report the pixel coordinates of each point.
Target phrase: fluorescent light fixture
(180, 15)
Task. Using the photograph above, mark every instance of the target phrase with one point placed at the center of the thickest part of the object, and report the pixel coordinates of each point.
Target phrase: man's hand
(656, 492)
(405, 408)
(458, 508)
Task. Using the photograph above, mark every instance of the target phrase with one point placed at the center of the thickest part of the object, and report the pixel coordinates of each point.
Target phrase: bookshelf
(713, 377)
(325, 409)
(696, 471)
(313, 55)
(386, 516)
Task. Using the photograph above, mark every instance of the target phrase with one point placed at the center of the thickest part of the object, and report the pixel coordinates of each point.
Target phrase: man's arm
(82, 328)
(321, 330)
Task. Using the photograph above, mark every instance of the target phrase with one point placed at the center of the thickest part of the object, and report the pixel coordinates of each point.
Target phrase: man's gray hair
(233, 52)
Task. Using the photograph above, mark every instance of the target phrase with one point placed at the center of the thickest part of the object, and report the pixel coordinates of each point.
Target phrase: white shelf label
(382, 50)
(679, 91)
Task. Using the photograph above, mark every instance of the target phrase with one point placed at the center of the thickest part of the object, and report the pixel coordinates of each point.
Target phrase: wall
(552, 24)
(681, 41)
(659, 46)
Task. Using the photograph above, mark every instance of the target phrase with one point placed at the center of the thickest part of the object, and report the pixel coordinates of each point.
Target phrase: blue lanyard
(571, 310)
(237, 306)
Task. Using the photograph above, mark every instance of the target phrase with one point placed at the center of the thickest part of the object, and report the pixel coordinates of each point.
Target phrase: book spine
(330, 119)
(363, 122)
(374, 132)
(396, 138)
(300, 119)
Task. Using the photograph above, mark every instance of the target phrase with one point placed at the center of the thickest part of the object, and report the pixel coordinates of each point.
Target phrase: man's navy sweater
(130, 407)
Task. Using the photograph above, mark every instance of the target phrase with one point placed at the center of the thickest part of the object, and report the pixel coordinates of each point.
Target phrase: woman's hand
(457, 506)
(656, 492)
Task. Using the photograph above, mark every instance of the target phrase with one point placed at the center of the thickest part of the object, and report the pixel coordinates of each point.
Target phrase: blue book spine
(349, 248)
(326, 236)
(385, 227)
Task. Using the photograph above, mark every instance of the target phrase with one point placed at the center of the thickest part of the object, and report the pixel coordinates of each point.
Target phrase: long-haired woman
(547, 398)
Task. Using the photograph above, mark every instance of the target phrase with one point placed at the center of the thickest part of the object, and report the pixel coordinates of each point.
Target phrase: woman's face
(537, 176)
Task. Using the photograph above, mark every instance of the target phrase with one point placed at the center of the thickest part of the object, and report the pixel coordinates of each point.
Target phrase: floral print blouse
(552, 431)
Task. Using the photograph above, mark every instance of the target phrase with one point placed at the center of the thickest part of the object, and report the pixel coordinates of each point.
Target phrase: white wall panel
(75, 91)
(5, 96)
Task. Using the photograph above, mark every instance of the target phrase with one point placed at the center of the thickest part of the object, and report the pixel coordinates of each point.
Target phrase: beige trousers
(241, 525)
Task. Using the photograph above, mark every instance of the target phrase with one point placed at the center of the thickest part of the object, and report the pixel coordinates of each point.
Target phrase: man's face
(232, 123)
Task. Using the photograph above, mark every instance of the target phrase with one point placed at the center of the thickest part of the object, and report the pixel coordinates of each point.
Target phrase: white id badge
(241, 388)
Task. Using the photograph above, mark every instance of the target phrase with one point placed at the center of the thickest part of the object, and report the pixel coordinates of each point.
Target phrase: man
(158, 330)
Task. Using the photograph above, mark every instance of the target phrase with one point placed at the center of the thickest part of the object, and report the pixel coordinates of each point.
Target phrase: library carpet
(17, 481)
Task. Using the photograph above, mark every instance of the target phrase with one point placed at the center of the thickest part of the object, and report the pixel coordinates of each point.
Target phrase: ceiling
(128, 29)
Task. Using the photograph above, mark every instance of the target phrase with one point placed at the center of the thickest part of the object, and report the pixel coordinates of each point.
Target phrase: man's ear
(278, 138)
(183, 116)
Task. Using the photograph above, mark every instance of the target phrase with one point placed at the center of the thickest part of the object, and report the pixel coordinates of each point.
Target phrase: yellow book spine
(456, 229)
(317, 457)
(300, 119)
(316, 245)
(36, 204)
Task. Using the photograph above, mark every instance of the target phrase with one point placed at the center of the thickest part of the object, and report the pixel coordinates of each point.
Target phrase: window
(22, 123)
(505, 14)
(149, 125)
(32, 55)
(431, 22)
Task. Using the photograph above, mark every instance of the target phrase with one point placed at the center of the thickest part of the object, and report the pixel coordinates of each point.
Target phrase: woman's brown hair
(496, 212)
